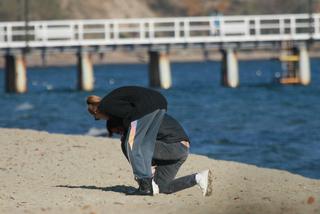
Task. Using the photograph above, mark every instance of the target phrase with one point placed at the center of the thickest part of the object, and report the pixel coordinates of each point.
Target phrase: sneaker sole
(210, 180)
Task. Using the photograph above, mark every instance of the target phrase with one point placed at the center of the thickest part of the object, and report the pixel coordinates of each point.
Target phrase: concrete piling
(230, 71)
(159, 70)
(304, 65)
(16, 74)
(85, 72)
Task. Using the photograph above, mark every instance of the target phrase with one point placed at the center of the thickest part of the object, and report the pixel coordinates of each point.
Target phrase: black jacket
(131, 103)
(171, 131)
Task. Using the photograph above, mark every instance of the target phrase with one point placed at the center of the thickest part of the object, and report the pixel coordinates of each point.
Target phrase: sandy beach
(55, 173)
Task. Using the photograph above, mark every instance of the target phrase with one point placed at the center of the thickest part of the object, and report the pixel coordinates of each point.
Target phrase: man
(141, 111)
(171, 151)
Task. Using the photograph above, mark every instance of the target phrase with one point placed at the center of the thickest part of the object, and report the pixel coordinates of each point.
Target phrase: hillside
(82, 9)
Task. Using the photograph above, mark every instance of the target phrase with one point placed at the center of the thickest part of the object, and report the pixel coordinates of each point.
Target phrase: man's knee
(164, 188)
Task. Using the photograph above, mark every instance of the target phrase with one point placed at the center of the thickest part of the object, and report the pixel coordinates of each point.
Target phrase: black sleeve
(123, 146)
(116, 106)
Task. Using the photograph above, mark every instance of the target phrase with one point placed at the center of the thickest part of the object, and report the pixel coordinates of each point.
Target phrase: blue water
(260, 122)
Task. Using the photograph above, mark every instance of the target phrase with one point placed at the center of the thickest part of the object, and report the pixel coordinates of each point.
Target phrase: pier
(290, 35)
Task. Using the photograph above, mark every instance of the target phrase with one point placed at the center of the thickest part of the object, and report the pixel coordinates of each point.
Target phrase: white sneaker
(204, 180)
(155, 188)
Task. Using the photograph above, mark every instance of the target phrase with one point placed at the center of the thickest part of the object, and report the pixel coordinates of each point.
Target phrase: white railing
(152, 31)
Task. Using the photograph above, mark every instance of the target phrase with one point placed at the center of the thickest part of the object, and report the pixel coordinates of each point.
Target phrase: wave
(24, 107)
(97, 132)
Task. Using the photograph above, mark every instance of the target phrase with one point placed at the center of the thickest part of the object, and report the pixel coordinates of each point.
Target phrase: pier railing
(153, 31)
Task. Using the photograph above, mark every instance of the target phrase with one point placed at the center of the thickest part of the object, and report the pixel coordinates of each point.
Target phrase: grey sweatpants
(168, 158)
(140, 143)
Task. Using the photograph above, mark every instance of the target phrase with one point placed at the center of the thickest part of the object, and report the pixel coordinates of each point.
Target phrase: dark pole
(310, 11)
(19, 8)
(26, 24)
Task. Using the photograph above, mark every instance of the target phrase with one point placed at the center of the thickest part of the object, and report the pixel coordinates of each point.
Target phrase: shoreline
(141, 57)
(57, 173)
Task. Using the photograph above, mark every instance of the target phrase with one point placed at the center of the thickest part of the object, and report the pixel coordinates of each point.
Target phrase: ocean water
(260, 123)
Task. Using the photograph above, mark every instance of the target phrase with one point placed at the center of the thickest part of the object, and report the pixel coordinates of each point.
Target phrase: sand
(54, 173)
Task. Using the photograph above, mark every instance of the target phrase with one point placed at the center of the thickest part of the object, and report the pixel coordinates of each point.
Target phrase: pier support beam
(304, 65)
(296, 59)
(230, 71)
(85, 72)
(159, 70)
(16, 74)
